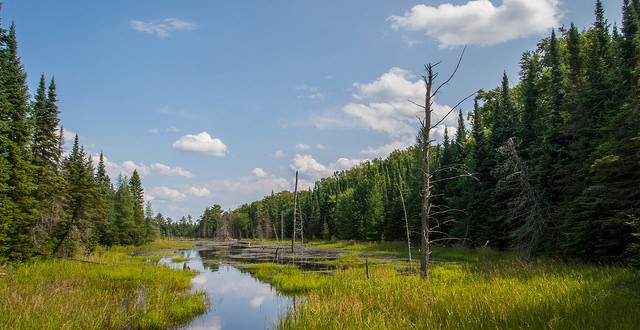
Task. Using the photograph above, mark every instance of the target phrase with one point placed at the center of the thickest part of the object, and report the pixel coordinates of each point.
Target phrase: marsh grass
(110, 290)
(179, 259)
(399, 249)
(512, 294)
(287, 279)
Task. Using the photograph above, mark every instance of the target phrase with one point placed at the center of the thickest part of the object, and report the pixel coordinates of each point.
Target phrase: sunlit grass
(287, 279)
(485, 294)
(157, 245)
(110, 290)
(179, 259)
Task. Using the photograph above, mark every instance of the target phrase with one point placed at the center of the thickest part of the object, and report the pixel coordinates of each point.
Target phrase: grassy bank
(482, 292)
(109, 290)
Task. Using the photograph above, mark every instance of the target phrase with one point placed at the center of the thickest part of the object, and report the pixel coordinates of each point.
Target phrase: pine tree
(122, 220)
(76, 231)
(17, 202)
(47, 153)
(103, 203)
(135, 184)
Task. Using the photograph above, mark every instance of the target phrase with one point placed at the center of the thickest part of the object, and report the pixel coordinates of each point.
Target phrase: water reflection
(238, 301)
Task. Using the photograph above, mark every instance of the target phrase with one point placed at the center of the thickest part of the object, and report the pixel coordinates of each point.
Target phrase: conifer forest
(548, 165)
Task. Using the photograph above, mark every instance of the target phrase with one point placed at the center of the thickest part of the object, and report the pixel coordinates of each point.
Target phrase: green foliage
(114, 291)
(509, 294)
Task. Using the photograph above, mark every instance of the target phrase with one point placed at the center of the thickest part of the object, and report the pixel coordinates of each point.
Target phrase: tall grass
(112, 291)
(509, 295)
(287, 279)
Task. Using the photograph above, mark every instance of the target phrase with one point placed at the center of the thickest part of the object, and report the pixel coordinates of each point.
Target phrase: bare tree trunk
(426, 182)
(295, 206)
(406, 221)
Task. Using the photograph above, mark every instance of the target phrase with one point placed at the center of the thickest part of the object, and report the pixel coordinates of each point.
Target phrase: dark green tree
(17, 188)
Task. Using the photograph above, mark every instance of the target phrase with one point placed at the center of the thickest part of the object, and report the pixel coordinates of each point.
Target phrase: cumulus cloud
(171, 171)
(163, 28)
(387, 148)
(166, 193)
(313, 170)
(236, 191)
(125, 168)
(278, 154)
(480, 21)
(201, 143)
(383, 106)
(259, 172)
(302, 146)
(198, 192)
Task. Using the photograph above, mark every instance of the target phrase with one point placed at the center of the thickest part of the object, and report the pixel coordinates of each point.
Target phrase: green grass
(287, 279)
(157, 245)
(114, 291)
(509, 295)
(179, 259)
(482, 289)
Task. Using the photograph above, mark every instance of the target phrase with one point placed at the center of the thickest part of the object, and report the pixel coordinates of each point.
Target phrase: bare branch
(416, 104)
(453, 108)
(452, 74)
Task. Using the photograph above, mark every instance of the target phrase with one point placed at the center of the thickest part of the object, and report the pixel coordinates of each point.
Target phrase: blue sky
(220, 102)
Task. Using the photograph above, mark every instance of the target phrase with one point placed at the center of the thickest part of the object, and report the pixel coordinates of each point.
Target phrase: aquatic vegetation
(110, 290)
(508, 295)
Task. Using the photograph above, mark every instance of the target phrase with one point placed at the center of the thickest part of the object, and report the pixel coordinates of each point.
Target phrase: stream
(237, 300)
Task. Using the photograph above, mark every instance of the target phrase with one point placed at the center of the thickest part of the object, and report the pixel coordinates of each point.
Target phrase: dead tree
(425, 131)
(406, 221)
(527, 214)
(295, 206)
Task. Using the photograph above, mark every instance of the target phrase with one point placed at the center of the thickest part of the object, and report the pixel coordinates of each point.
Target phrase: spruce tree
(77, 231)
(137, 192)
(46, 149)
(17, 202)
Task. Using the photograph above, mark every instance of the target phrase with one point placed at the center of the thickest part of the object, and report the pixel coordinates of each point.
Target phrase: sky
(220, 102)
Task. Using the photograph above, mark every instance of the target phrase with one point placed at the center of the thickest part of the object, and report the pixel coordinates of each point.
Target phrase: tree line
(550, 166)
(53, 203)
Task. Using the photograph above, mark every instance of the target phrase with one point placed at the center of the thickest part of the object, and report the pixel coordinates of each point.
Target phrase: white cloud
(321, 146)
(153, 130)
(234, 192)
(388, 148)
(278, 154)
(311, 169)
(166, 193)
(302, 146)
(201, 143)
(163, 28)
(259, 172)
(125, 168)
(392, 85)
(171, 129)
(198, 192)
(68, 136)
(480, 22)
(171, 171)
(383, 106)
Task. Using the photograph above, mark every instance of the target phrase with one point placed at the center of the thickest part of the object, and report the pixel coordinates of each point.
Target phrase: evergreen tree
(46, 149)
(76, 231)
(135, 184)
(123, 218)
(17, 202)
(103, 203)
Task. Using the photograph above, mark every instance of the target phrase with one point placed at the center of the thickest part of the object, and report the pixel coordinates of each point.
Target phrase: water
(237, 300)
